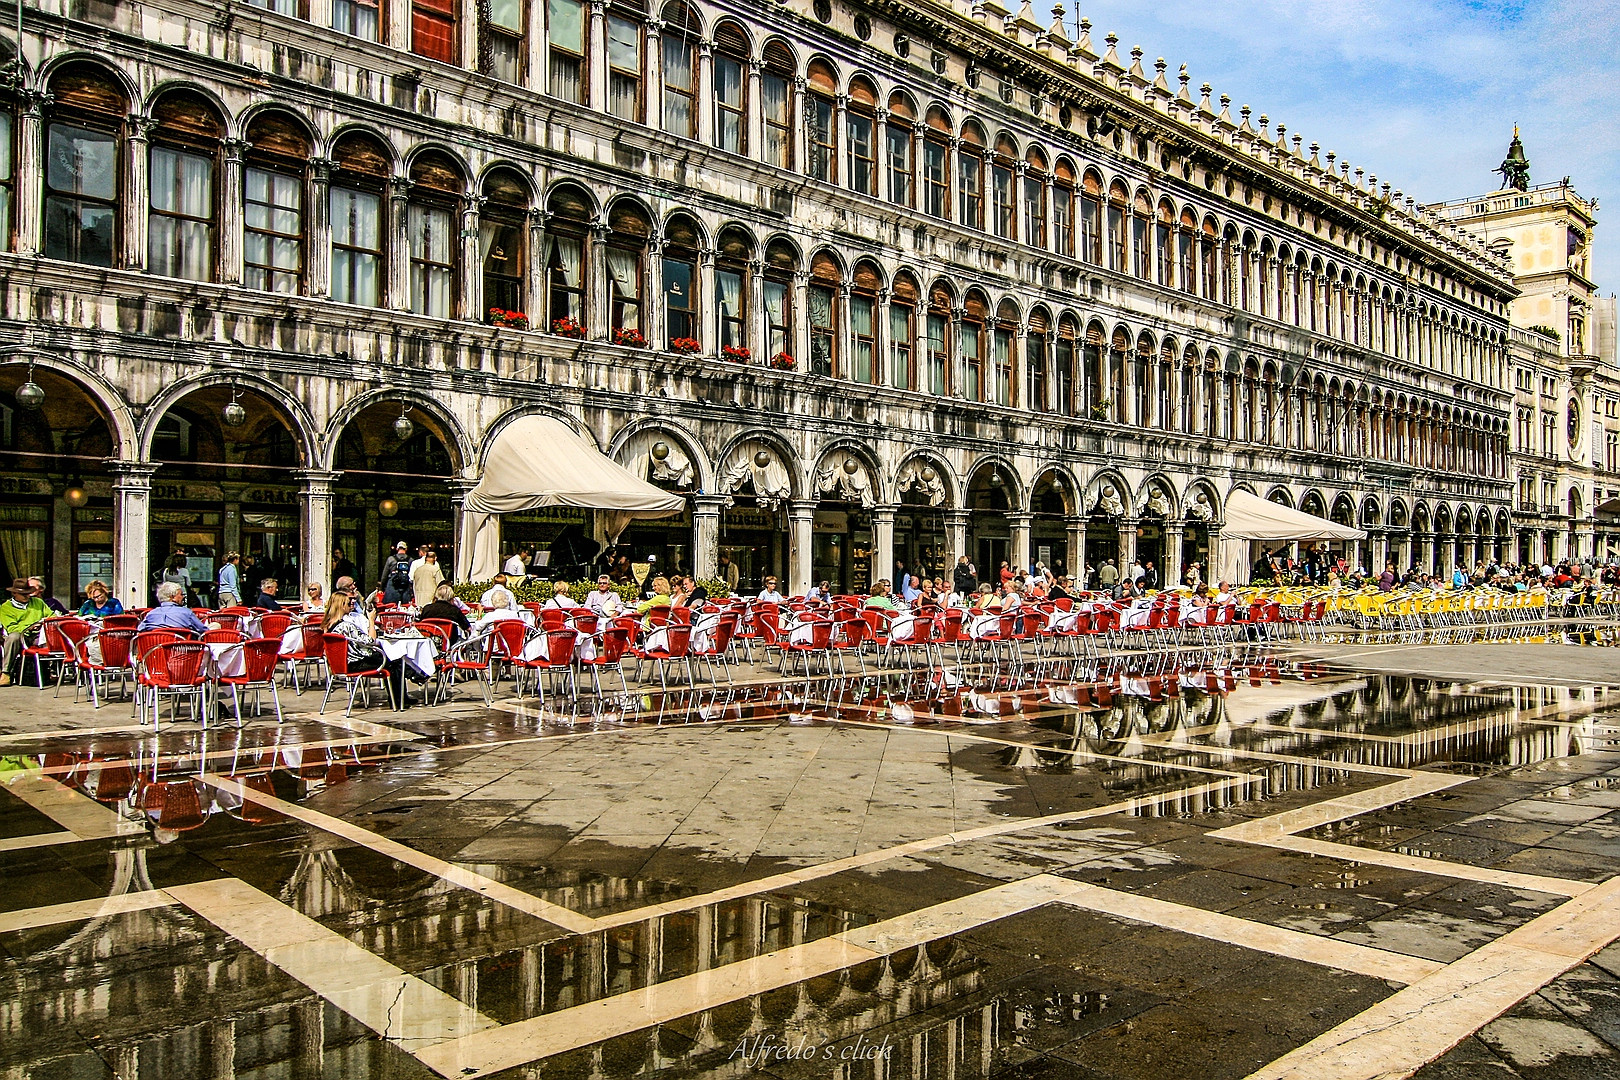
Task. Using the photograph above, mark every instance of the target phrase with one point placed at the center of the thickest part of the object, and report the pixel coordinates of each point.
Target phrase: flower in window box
(514, 319)
(629, 337)
(568, 328)
(686, 346)
(736, 354)
(783, 362)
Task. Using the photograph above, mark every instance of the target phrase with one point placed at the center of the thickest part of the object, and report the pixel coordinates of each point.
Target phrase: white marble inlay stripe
(553, 1033)
(50, 839)
(1400, 1034)
(397, 1006)
(79, 910)
(74, 811)
(455, 875)
(1262, 937)
(1396, 860)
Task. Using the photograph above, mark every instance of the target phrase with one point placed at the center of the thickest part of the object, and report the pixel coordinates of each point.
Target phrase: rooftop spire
(1515, 168)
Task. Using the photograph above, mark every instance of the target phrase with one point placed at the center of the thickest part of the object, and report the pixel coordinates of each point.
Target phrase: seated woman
(560, 598)
(502, 605)
(313, 601)
(986, 599)
(99, 602)
(660, 596)
(343, 619)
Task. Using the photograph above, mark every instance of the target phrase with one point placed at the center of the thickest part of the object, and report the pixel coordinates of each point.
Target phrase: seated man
(692, 594)
(443, 606)
(38, 586)
(486, 600)
(267, 595)
(171, 612)
(604, 601)
(19, 615)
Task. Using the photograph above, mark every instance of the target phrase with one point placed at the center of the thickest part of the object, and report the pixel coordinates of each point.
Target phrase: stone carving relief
(757, 467)
(843, 476)
(924, 479)
(1109, 503)
(1200, 509)
(659, 459)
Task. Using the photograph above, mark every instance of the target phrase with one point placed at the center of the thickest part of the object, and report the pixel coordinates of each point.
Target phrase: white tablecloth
(419, 652)
(228, 657)
(987, 623)
(1134, 618)
(584, 647)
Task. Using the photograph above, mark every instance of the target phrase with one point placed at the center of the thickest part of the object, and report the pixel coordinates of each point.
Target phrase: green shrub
(538, 592)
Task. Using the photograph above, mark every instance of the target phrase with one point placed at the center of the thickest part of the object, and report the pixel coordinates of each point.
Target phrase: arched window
(1224, 256)
(681, 242)
(1119, 351)
(1136, 411)
(936, 166)
(362, 166)
(1117, 254)
(1037, 362)
(1004, 354)
(1164, 381)
(183, 160)
(1186, 254)
(1164, 231)
(776, 104)
(503, 31)
(624, 57)
(902, 332)
(1035, 199)
(1093, 376)
(1189, 382)
(864, 362)
(781, 263)
(733, 250)
(825, 280)
(1091, 201)
(434, 32)
(731, 88)
(860, 138)
(433, 233)
(628, 229)
(970, 178)
(821, 136)
(939, 340)
(1246, 273)
(679, 41)
(1003, 197)
(503, 241)
(1212, 397)
(1063, 356)
(1264, 290)
(1063, 209)
(570, 213)
(976, 311)
(897, 136)
(273, 204)
(1212, 272)
(357, 18)
(1142, 237)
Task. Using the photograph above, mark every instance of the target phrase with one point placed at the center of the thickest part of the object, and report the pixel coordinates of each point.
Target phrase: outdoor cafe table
(416, 650)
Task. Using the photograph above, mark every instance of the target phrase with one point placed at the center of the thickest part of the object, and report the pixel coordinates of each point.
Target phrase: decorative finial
(1515, 168)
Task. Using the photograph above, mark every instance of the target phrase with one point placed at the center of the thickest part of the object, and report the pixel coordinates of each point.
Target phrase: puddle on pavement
(1066, 738)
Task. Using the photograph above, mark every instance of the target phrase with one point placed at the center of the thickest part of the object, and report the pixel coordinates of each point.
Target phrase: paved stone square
(1251, 865)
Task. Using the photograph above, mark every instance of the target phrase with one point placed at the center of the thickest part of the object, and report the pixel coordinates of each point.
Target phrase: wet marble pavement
(1239, 866)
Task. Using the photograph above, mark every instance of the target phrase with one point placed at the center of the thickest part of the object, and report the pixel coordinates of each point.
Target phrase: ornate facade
(868, 281)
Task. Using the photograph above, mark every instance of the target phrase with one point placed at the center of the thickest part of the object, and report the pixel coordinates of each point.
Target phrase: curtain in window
(820, 301)
(678, 85)
(624, 64)
(22, 545)
(566, 257)
(900, 345)
(776, 317)
(625, 274)
(430, 240)
(181, 231)
(728, 295)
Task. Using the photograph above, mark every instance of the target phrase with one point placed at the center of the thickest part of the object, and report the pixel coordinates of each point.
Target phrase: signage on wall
(22, 485)
(831, 521)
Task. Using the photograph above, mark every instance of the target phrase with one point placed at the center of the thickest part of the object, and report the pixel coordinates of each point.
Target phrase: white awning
(537, 462)
(1249, 517)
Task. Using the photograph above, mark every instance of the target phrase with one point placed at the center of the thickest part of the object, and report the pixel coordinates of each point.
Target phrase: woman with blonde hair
(356, 628)
(99, 601)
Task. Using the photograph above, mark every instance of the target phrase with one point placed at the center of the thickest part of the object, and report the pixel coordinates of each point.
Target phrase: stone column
(1077, 550)
(1018, 549)
(704, 102)
(598, 303)
(756, 115)
(132, 521)
(472, 261)
(801, 518)
(399, 246)
(1380, 552)
(844, 350)
(221, 1049)
(801, 319)
(233, 520)
(596, 50)
(653, 324)
(60, 581)
(396, 31)
(1127, 545)
(654, 60)
(315, 528)
(956, 524)
(535, 287)
(703, 297)
(706, 534)
(30, 171)
(883, 543)
(1425, 553)
(137, 194)
(230, 212)
(1019, 359)
(1174, 537)
(459, 487)
(318, 251)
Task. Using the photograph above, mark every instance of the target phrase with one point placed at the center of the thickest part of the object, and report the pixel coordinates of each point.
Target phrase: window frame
(637, 75)
(182, 148)
(905, 174)
(436, 13)
(723, 109)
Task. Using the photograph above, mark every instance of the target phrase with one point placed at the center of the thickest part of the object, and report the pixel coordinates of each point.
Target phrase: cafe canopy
(1250, 519)
(538, 462)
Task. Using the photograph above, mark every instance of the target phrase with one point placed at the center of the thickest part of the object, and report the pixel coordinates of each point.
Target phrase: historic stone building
(1566, 386)
(868, 282)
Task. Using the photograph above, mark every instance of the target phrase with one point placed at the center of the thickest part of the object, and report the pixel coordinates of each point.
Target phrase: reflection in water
(162, 994)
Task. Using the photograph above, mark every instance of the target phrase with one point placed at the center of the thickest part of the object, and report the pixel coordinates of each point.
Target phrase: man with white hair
(171, 612)
(502, 606)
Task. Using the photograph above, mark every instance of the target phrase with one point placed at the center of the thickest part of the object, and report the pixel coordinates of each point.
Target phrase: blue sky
(1424, 93)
